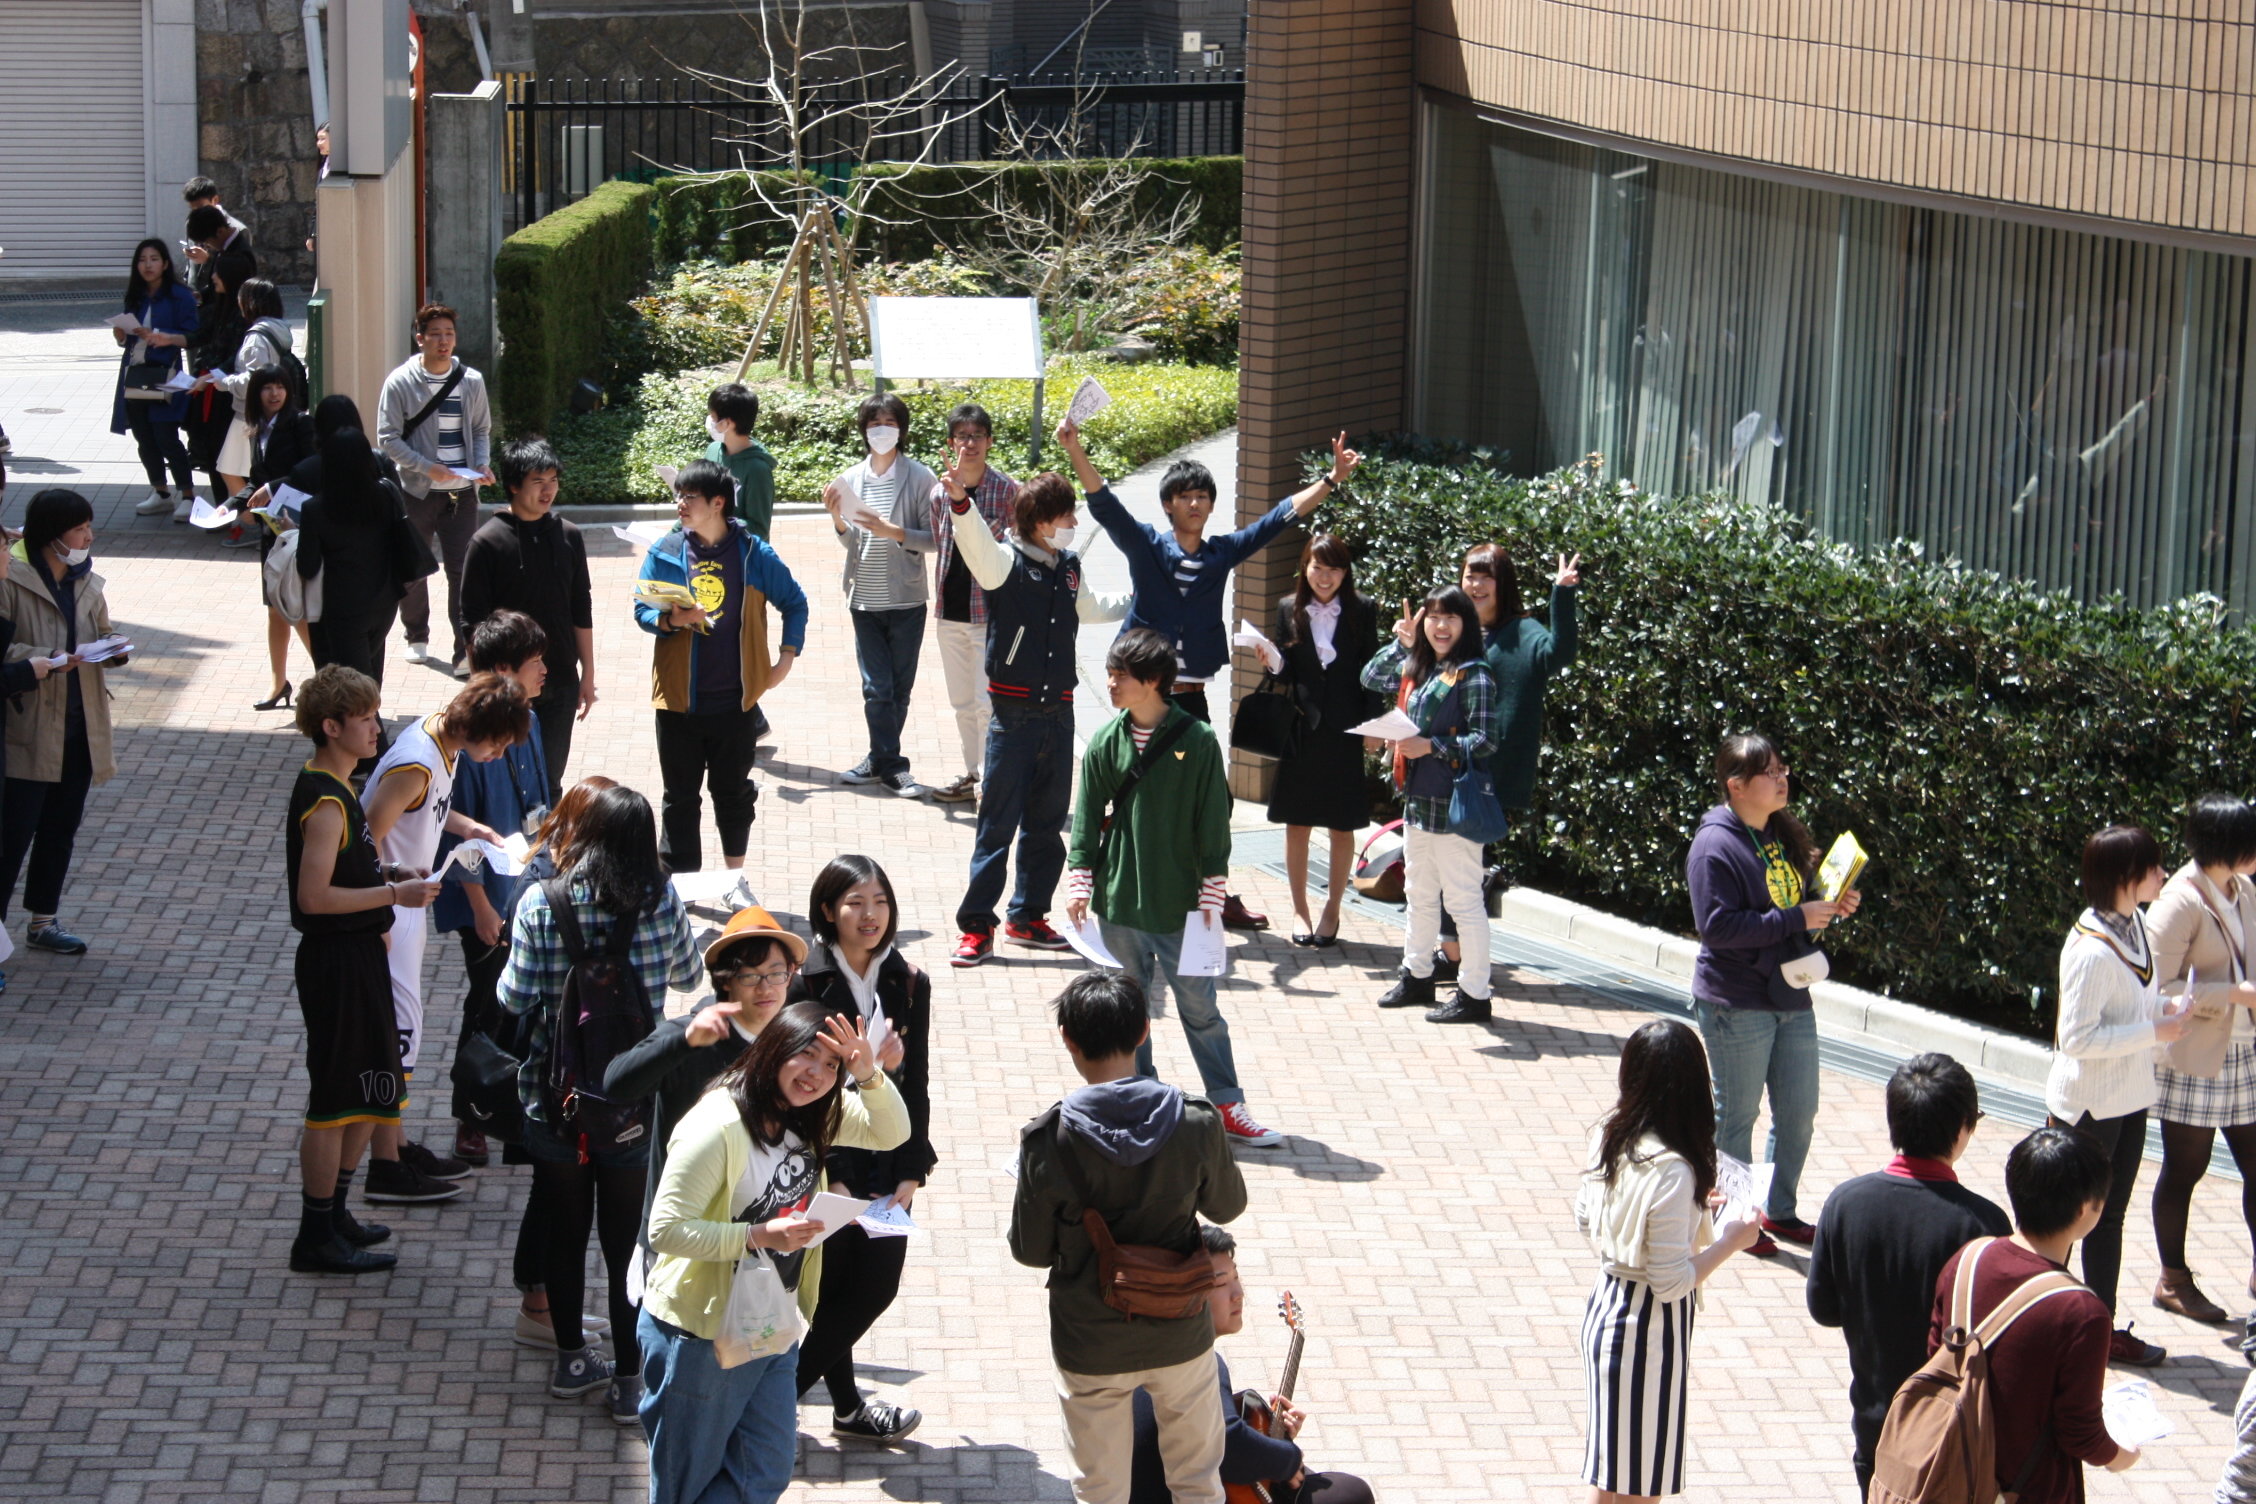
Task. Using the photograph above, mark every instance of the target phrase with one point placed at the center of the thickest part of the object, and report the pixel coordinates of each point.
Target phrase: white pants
(963, 659)
(1440, 870)
(409, 932)
(1100, 1429)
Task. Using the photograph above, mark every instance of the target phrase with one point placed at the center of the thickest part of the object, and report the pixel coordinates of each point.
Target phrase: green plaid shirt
(663, 953)
(1383, 673)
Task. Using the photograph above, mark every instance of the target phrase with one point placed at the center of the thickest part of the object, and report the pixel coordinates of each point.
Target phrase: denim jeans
(1026, 791)
(887, 643)
(1749, 1049)
(717, 1435)
(1148, 957)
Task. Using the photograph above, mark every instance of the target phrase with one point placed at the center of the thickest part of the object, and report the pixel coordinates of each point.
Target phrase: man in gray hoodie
(1155, 1162)
(433, 421)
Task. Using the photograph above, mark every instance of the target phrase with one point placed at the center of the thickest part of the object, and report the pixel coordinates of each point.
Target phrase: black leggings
(2124, 1140)
(573, 1197)
(860, 1277)
(2185, 1159)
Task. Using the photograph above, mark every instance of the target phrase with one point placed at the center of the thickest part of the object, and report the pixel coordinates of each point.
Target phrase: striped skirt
(1635, 1351)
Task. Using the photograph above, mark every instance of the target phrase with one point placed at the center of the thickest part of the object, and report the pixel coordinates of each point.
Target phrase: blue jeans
(1025, 792)
(1749, 1049)
(887, 644)
(1148, 957)
(717, 1435)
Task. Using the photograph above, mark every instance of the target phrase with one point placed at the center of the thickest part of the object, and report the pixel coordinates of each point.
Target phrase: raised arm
(1344, 461)
(1069, 439)
(982, 555)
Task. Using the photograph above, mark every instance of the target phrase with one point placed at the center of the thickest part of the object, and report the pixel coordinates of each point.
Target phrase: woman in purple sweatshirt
(1750, 866)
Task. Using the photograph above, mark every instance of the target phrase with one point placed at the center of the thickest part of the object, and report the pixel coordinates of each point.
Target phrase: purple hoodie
(1743, 934)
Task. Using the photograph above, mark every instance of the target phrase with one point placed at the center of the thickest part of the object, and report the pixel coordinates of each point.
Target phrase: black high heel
(279, 702)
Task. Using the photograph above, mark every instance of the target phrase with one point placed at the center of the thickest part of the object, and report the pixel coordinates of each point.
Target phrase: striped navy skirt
(1635, 1352)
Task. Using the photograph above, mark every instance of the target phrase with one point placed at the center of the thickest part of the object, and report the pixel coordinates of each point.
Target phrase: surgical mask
(77, 556)
(713, 427)
(1062, 538)
(882, 438)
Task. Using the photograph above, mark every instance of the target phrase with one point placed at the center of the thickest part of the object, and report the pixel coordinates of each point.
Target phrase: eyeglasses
(765, 978)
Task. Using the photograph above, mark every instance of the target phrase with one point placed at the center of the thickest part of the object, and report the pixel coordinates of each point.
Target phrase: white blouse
(2103, 1047)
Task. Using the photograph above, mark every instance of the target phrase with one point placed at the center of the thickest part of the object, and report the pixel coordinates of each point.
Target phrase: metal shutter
(73, 194)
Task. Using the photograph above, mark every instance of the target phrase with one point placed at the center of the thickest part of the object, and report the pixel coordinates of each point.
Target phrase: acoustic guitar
(1254, 1409)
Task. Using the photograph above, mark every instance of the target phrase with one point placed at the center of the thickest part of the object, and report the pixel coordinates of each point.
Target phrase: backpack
(296, 597)
(604, 1012)
(286, 361)
(1939, 1443)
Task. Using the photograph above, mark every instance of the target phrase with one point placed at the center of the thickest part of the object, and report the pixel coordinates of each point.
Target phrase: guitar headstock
(1289, 1308)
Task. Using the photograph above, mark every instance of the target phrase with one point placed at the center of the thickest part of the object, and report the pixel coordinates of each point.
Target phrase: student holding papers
(878, 509)
(281, 437)
(854, 969)
(1326, 632)
(58, 736)
(1151, 854)
(432, 418)
(1434, 673)
(159, 319)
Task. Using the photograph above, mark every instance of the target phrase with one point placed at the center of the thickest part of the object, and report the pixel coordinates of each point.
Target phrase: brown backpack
(1135, 1279)
(1939, 1444)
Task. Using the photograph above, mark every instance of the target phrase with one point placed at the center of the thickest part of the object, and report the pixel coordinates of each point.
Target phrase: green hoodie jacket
(1173, 835)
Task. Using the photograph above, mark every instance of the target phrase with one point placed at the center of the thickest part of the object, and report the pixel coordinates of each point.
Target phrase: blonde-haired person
(2202, 927)
(342, 896)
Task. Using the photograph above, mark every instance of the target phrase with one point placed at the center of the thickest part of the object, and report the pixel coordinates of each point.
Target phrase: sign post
(959, 338)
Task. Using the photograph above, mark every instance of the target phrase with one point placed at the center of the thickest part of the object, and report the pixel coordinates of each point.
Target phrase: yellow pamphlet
(1841, 868)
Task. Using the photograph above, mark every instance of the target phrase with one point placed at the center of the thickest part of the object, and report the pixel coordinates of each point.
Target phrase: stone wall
(255, 126)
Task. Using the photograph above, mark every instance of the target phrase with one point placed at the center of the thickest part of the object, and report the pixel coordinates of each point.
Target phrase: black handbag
(1267, 721)
(145, 381)
(412, 559)
(485, 1088)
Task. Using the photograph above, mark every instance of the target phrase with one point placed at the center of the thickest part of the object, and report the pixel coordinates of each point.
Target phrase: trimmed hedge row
(554, 281)
(1971, 730)
(917, 210)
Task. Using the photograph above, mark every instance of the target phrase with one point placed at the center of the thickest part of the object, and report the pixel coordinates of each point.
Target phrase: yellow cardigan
(696, 1240)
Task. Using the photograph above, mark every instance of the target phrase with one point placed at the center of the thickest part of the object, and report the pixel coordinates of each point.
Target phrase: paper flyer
(1088, 943)
(1394, 726)
(204, 515)
(1204, 952)
(1089, 399)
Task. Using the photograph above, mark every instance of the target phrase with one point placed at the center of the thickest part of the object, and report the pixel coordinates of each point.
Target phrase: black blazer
(1340, 687)
(289, 444)
(905, 993)
(359, 583)
(672, 1073)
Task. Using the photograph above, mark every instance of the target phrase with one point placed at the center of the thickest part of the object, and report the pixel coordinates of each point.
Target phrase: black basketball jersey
(358, 865)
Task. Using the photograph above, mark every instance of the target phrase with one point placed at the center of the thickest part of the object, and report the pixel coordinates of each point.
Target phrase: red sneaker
(1240, 1126)
(1035, 935)
(973, 947)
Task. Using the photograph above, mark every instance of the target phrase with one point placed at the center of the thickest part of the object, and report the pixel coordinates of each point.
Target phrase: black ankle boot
(1408, 992)
(1460, 1009)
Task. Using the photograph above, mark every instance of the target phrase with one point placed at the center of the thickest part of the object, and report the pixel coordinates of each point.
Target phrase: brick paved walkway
(148, 1097)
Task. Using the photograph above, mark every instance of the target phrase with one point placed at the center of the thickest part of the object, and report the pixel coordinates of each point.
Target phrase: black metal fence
(568, 135)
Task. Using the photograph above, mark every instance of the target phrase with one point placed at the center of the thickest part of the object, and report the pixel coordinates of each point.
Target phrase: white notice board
(955, 337)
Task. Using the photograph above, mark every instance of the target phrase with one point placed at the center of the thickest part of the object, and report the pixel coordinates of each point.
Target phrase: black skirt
(352, 1040)
(1321, 783)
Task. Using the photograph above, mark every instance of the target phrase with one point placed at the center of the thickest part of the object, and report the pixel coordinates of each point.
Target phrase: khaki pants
(1100, 1429)
(963, 659)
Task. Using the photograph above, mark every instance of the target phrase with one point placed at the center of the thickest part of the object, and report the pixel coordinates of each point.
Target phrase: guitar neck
(1292, 1365)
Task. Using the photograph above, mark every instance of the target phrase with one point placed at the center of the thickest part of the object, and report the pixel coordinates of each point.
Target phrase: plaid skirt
(2225, 1100)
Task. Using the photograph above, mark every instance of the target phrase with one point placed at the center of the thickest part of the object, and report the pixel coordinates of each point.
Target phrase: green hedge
(613, 455)
(554, 283)
(1971, 730)
(928, 207)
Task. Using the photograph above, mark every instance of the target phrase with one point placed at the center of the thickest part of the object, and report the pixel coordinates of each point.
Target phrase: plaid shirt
(993, 496)
(663, 954)
(1430, 812)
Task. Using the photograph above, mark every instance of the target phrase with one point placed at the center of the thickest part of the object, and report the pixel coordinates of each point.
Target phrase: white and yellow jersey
(413, 840)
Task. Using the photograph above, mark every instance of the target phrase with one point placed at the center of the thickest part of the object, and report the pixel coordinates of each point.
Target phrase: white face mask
(882, 438)
(76, 556)
(1062, 538)
(713, 427)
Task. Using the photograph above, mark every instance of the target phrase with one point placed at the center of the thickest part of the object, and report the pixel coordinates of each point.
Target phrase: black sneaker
(333, 1255)
(437, 1166)
(624, 1400)
(1445, 970)
(1460, 1009)
(860, 772)
(354, 1231)
(1408, 992)
(877, 1421)
(55, 938)
(579, 1373)
(397, 1180)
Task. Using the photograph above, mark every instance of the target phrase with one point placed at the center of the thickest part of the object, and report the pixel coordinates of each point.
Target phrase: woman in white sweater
(720, 1404)
(2112, 1015)
(1644, 1205)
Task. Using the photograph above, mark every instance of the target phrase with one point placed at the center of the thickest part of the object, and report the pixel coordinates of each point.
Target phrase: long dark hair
(135, 289)
(615, 851)
(840, 876)
(1751, 754)
(349, 481)
(1331, 551)
(754, 1083)
(1665, 1092)
(1469, 642)
(1490, 559)
(336, 411)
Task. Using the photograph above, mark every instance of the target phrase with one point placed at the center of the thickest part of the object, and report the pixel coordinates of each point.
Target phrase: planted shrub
(552, 279)
(1970, 729)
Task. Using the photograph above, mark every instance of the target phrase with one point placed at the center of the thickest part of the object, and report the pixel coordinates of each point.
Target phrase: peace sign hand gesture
(1406, 630)
(1570, 572)
(1344, 461)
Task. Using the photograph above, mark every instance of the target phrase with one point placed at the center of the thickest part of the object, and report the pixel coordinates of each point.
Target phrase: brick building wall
(2140, 111)
(1330, 133)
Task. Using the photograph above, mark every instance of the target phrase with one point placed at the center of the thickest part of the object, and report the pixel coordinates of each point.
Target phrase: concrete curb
(1885, 1025)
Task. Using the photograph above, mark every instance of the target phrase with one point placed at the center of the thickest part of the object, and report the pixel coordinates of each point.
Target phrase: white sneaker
(184, 506)
(155, 504)
(417, 651)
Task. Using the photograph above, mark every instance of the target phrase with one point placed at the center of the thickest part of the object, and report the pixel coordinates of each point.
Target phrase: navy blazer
(172, 312)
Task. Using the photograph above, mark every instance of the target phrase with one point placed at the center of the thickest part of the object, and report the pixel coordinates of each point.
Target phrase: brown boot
(2176, 1292)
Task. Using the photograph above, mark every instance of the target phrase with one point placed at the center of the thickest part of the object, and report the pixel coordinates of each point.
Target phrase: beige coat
(36, 719)
(2189, 938)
